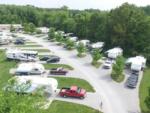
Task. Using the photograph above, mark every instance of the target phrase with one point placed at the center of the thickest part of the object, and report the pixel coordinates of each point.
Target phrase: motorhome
(114, 53)
(49, 85)
(23, 55)
(30, 68)
(137, 63)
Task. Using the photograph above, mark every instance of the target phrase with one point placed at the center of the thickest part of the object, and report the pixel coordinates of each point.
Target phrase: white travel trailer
(114, 53)
(138, 63)
(23, 55)
(97, 45)
(49, 85)
(84, 42)
(30, 68)
(43, 29)
(73, 38)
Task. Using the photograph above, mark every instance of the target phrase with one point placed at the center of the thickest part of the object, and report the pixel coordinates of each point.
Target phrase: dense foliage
(127, 26)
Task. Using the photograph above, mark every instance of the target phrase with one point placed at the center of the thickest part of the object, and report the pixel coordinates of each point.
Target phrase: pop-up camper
(34, 83)
(23, 55)
(137, 63)
(114, 53)
(30, 68)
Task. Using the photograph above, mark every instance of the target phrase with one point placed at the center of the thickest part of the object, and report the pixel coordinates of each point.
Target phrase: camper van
(23, 55)
(30, 68)
(49, 85)
(114, 53)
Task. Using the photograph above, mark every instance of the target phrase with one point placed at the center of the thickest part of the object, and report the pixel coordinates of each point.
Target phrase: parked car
(45, 58)
(19, 41)
(107, 64)
(58, 71)
(53, 60)
(132, 81)
(73, 91)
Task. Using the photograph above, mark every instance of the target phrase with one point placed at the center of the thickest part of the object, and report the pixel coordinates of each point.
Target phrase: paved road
(116, 98)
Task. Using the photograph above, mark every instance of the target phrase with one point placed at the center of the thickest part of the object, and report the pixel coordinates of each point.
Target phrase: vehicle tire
(81, 97)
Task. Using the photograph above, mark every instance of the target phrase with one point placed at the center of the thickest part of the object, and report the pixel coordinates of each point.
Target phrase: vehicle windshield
(108, 62)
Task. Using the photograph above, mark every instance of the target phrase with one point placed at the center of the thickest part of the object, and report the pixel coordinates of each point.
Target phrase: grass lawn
(48, 66)
(68, 107)
(144, 86)
(39, 50)
(4, 69)
(35, 45)
(68, 81)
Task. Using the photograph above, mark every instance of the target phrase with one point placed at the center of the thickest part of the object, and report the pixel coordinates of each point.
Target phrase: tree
(12, 102)
(12, 29)
(81, 49)
(96, 55)
(128, 27)
(32, 27)
(29, 27)
(51, 33)
(70, 44)
(117, 71)
(59, 37)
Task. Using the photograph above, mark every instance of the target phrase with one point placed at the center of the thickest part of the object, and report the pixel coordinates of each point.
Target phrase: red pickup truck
(73, 91)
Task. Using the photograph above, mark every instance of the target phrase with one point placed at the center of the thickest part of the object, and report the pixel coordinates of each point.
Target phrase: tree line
(127, 26)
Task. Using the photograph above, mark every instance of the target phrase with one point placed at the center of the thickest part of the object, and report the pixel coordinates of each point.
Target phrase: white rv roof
(37, 80)
(20, 51)
(136, 60)
(83, 41)
(115, 50)
(97, 45)
(43, 29)
(27, 67)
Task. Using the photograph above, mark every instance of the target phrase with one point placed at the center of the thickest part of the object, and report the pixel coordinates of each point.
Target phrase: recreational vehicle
(23, 55)
(84, 42)
(30, 68)
(114, 53)
(48, 85)
(137, 63)
(97, 45)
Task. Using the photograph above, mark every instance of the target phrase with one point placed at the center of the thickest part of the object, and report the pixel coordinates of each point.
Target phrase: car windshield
(108, 62)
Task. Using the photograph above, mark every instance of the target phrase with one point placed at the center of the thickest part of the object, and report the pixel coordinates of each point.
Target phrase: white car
(107, 64)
